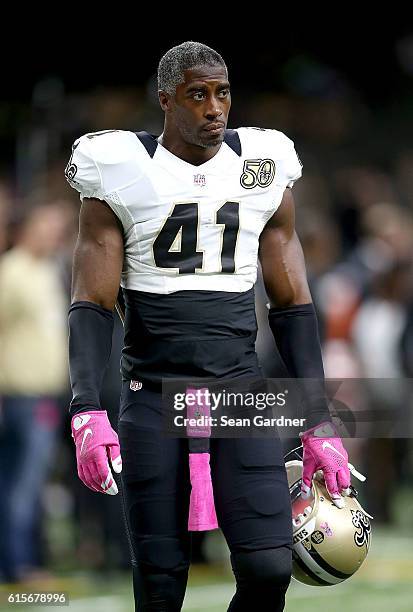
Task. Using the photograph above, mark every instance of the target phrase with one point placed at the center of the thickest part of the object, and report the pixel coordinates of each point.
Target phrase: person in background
(33, 373)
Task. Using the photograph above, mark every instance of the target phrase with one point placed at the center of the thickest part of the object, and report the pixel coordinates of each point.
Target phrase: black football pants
(251, 499)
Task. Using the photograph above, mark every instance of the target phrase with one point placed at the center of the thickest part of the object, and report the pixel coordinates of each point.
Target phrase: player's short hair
(183, 57)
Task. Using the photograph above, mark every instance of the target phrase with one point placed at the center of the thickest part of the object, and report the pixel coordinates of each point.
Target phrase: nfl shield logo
(135, 385)
(200, 180)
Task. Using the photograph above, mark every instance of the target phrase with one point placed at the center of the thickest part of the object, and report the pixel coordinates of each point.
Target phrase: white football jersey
(187, 227)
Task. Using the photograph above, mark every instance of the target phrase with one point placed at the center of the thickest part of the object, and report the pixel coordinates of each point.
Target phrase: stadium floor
(384, 583)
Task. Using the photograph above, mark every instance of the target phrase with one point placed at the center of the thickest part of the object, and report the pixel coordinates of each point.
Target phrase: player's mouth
(214, 129)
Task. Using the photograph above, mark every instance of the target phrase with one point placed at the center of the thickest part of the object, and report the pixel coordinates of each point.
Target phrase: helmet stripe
(308, 571)
(312, 564)
(329, 568)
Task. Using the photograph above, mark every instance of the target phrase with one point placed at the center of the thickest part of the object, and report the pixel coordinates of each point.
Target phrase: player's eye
(199, 96)
(224, 93)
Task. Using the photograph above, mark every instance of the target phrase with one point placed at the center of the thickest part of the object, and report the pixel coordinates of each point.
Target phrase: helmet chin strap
(356, 473)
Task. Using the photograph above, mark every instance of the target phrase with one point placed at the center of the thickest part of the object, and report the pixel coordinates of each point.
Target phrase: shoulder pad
(102, 162)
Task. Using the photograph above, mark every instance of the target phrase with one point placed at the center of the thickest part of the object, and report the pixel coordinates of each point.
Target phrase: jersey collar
(151, 143)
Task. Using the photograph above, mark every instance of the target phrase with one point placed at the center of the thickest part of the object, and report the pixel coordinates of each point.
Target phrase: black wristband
(90, 344)
(295, 331)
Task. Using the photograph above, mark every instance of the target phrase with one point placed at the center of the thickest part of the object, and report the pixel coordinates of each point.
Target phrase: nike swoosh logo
(328, 445)
(79, 421)
(85, 435)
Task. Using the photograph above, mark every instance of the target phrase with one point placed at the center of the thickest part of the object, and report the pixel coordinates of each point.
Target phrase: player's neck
(191, 153)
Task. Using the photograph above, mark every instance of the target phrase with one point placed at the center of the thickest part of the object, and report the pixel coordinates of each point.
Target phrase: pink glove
(95, 442)
(323, 450)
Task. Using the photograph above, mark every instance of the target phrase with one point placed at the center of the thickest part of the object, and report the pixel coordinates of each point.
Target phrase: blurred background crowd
(353, 132)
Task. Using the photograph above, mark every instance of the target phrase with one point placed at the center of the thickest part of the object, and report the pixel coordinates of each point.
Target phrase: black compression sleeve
(90, 343)
(295, 332)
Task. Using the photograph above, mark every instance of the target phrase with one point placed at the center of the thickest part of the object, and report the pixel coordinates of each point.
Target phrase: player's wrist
(315, 412)
(93, 412)
(90, 411)
(324, 429)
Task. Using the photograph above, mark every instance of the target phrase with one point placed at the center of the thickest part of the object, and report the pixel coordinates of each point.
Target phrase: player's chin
(212, 139)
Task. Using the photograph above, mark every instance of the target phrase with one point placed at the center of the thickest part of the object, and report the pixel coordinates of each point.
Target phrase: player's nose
(213, 109)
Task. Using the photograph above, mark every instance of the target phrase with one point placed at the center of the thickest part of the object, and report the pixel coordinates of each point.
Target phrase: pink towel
(202, 515)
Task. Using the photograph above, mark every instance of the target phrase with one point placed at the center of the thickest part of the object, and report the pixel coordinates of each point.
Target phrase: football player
(179, 221)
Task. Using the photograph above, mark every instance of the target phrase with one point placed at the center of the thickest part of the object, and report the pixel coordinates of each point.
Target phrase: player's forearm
(90, 343)
(295, 331)
(97, 266)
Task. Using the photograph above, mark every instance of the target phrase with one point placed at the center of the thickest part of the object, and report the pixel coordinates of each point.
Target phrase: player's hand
(96, 443)
(323, 450)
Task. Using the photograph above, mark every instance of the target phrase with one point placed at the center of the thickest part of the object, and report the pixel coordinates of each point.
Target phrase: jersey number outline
(176, 245)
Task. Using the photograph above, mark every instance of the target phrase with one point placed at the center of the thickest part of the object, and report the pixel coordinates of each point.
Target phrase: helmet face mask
(329, 543)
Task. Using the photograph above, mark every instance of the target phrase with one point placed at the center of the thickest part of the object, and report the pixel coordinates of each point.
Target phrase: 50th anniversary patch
(257, 172)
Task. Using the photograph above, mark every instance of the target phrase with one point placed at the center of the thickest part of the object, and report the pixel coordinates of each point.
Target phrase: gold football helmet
(330, 543)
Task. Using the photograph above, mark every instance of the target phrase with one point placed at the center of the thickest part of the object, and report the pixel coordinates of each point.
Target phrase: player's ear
(165, 100)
